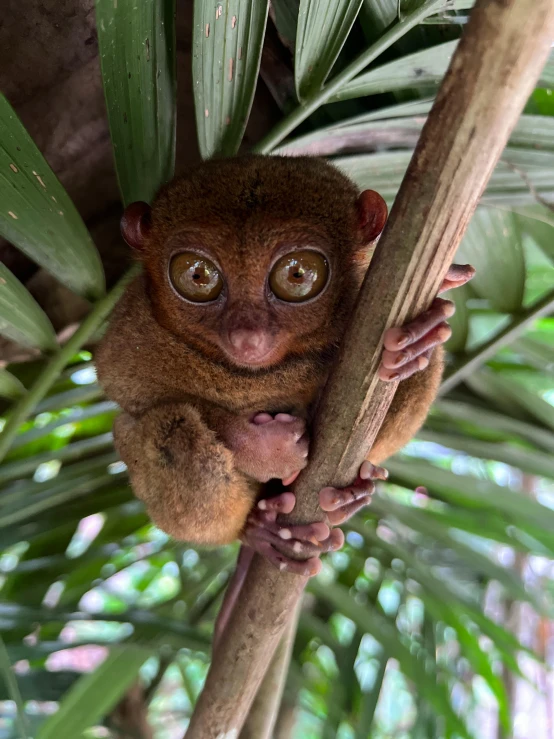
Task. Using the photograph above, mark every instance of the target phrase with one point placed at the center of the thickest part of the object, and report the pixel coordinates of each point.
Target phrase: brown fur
(162, 358)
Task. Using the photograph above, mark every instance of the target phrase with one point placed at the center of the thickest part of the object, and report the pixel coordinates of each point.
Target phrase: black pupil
(196, 276)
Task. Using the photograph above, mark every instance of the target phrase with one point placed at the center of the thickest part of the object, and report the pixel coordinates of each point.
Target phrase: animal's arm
(184, 474)
(409, 408)
(414, 354)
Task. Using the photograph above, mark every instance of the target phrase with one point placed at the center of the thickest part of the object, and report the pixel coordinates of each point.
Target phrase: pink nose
(249, 345)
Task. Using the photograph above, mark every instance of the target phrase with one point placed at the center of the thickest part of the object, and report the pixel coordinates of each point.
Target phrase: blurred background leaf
(88, 701)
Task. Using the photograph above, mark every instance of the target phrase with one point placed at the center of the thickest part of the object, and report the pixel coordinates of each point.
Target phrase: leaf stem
(313, 102)
(56, 364)
(482, 354)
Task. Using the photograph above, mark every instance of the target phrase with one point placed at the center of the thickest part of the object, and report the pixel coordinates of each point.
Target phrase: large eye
(195, 277)
(299, 276)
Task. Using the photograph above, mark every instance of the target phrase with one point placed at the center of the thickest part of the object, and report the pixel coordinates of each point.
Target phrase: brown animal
(217, 353)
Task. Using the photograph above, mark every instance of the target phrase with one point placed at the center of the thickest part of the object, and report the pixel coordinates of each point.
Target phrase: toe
(396, 338)
(369, 471)
(336, 539)
(331, 499)
(285, 418)
(283, 503)
(289, 480)
(437, 335)
(340, 515)
(402, 373)
(262, 418)
(313, 532)
(391, 360)
(305, 568)
(457, 275)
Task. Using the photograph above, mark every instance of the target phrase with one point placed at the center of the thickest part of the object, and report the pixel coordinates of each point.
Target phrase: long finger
(457, 275)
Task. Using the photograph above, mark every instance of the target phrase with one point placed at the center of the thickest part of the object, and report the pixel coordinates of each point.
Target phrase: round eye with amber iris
(195, 278)
(299, 276)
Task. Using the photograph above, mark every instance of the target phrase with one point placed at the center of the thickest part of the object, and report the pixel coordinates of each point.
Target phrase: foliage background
(434, 620)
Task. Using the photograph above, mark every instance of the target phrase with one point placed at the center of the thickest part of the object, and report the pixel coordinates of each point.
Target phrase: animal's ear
(135, 224)
(372, 216)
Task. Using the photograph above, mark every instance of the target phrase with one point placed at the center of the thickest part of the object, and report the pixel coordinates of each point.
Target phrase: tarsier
(218, 352)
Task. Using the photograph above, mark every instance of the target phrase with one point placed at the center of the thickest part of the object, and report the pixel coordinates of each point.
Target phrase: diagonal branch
(490, 77)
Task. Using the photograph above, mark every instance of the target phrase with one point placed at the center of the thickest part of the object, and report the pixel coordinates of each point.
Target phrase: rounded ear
(372, 215)
(135, 224)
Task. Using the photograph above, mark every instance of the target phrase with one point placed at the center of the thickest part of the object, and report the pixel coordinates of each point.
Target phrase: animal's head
(254, 259)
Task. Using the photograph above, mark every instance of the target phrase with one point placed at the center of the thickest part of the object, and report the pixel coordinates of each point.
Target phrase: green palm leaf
(323, 26)
(227, 48)
(38, 217)
(137, 53)
(413, 666)
(500, 271)
(21, 317)
(417, 70)
(423, 68)
(88, 701)
(13, 691)
(10, 386)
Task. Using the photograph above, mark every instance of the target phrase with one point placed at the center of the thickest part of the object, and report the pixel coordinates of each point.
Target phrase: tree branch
(492, 73)
(262, 717)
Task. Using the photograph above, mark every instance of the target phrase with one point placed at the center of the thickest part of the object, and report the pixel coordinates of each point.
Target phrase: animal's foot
(290, 548)
(297, 548)
(340, 504)
(270, 447)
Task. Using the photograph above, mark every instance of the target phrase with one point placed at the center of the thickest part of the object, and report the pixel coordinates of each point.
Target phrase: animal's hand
(268, 447)
(409, 347)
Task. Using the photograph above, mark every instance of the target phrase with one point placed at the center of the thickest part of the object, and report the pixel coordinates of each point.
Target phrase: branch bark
(492, 73)
(264, 711)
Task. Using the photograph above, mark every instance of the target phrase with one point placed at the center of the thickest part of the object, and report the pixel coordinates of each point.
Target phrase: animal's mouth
(250, 358)
(250, 347)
